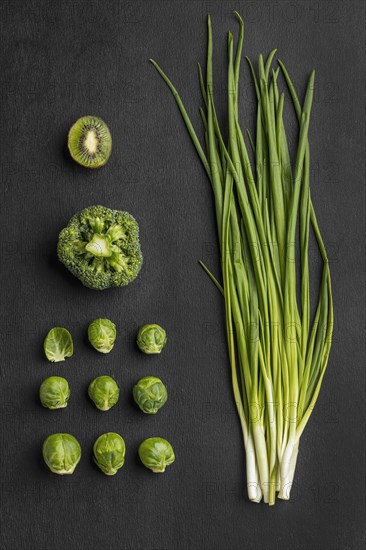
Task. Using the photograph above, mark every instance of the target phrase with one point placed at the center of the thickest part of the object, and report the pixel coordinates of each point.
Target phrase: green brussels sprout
(150, 394)
(58, 345)
(61, 453)
(104, 391)
(109, 453)
(54, 392)
(156, 453)
(102, 335)
(151, 339)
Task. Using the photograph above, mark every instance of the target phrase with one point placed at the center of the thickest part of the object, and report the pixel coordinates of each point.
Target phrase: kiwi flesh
(90, 142)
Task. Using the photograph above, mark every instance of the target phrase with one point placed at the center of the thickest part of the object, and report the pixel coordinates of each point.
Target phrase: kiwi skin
(97, 151)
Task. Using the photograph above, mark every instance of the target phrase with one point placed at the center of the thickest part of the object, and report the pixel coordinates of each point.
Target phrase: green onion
(278, 349)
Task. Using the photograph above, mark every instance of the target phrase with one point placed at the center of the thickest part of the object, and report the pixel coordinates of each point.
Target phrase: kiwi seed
(90, 142)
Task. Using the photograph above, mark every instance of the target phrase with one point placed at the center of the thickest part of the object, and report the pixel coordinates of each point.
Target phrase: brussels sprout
(150, 394)
(109, 453)
(156, 453)
(61, 453)
(104, 391)
(151, 339)
(54, 392)
(58, 345)
(102, 335)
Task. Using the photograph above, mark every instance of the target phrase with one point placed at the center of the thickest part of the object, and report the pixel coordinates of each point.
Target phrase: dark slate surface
(61, 60)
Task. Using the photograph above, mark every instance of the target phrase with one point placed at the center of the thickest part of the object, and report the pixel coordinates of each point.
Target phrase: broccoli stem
(100, 246)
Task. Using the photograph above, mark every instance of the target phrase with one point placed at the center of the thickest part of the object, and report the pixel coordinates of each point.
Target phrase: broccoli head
(101, 247)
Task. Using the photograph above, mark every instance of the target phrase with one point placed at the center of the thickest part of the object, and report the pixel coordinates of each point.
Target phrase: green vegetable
(156, 454)
(101, 247)
(61, 453)
(109, 453)
(151, 339)
(54, 392)
(58, 344)
(102, 335)
(104, 392)
(278, 350)
(150, 394)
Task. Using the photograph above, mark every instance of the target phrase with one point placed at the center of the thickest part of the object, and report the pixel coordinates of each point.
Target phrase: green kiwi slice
(90, 142)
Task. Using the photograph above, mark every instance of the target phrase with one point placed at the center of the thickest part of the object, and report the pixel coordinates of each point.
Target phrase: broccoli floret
(101, 247)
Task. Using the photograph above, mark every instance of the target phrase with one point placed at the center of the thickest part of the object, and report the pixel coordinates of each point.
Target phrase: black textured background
(61, 60)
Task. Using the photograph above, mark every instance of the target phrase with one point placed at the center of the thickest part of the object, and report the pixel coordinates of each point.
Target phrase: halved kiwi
(90, 141)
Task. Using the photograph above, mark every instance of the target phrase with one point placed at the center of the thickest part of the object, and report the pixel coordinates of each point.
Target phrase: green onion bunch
(278, 347)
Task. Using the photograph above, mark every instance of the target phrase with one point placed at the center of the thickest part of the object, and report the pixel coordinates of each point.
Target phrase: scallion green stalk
(278, 354)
